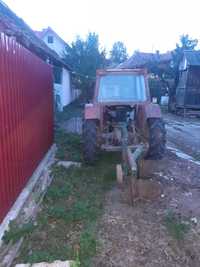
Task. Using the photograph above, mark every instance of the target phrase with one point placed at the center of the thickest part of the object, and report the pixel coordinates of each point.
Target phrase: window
(50, 39)
(57, 71)
(121, 88)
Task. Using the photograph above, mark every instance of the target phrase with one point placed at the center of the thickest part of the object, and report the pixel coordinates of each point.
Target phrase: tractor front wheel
(157, 138)
(90, 141)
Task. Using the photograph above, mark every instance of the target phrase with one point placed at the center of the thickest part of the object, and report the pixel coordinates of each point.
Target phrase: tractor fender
(152, 111)
(147, 111)
(92, 112)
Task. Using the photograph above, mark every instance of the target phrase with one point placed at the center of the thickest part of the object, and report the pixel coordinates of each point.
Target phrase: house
(53, 40)
(187, 95)
(155, 63)
(16, 27)
(62, 80)
(142, 60)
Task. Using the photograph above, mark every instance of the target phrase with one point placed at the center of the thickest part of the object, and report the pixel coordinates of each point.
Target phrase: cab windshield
(122, 87)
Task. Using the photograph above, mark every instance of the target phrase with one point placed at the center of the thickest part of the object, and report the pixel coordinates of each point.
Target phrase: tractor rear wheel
(90, 141)
(157, 138)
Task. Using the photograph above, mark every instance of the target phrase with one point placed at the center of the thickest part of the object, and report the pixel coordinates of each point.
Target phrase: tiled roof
(140, 59)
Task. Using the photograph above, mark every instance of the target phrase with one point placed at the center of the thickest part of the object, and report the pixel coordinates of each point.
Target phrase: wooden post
(119, 174)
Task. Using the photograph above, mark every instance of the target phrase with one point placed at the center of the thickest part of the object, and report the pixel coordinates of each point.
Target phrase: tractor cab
(121, 86)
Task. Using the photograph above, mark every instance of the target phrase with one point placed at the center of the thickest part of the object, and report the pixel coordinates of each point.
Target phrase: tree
(85, 57)
(118, 53)
(186, 43)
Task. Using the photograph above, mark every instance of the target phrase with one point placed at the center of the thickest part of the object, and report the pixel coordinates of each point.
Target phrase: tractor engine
(114, 118)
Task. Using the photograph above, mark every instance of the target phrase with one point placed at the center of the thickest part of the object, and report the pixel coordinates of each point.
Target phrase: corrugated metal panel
(26, 117)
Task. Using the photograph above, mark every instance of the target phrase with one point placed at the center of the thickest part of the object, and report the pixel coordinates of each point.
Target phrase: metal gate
(26, 117)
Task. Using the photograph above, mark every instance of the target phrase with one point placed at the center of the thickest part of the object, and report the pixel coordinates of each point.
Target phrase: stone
(68, 164)
(45, 264)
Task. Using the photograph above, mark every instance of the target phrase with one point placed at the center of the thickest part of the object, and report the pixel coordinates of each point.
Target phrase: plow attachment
(132, 162)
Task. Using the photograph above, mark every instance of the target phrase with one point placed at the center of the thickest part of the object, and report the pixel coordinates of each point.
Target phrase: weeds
(57, 192)
(69, 146)
(15, 232)
(176, 227)
(88, 247)
(67, 223)
(197, 156)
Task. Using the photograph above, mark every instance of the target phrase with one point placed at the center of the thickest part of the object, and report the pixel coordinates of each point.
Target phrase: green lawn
(66, 225)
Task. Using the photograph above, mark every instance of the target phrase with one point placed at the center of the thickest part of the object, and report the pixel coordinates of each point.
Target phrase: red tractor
(122, 116)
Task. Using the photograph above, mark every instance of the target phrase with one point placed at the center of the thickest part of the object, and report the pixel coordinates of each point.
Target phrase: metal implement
(130, 162)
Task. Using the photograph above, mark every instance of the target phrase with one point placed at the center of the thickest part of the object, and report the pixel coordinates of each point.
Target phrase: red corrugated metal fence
(26, 117)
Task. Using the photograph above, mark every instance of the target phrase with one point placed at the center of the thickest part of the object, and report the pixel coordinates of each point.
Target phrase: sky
(144, 25)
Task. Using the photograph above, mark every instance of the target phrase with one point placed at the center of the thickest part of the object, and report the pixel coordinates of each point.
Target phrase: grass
(175, 226)
(15, 232)
(197, 156)
(69, 146)
(66, 225)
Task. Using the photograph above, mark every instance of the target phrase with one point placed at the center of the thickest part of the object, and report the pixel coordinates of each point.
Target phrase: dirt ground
(140, 236)
(183, 133)
(137, 236)
(162, 232)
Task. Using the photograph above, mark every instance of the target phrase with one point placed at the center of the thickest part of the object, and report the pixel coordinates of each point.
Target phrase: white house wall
(57, 45)
(58, 95)
(63, 90)
(66, 97)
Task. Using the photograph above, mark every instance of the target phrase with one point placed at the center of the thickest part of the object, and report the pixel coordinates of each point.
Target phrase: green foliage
(85, 57)
(197, 156)
(159, 82)
(80, 211)
(40, 256)
(76, 262)
(118, 54)
(55, 192)
(88, 247)
(175, 226)
(69, 146)
(67, 223)
(15, 232)
(186, 43)
(52, 254)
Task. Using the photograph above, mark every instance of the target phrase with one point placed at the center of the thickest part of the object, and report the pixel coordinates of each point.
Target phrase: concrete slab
(45, 264)
(68, 164)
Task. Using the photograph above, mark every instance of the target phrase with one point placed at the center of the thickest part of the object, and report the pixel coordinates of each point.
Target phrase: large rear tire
(157, 138)
(90, 141)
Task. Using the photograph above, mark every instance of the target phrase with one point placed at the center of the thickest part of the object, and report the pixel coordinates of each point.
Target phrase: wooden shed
(188, 89)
